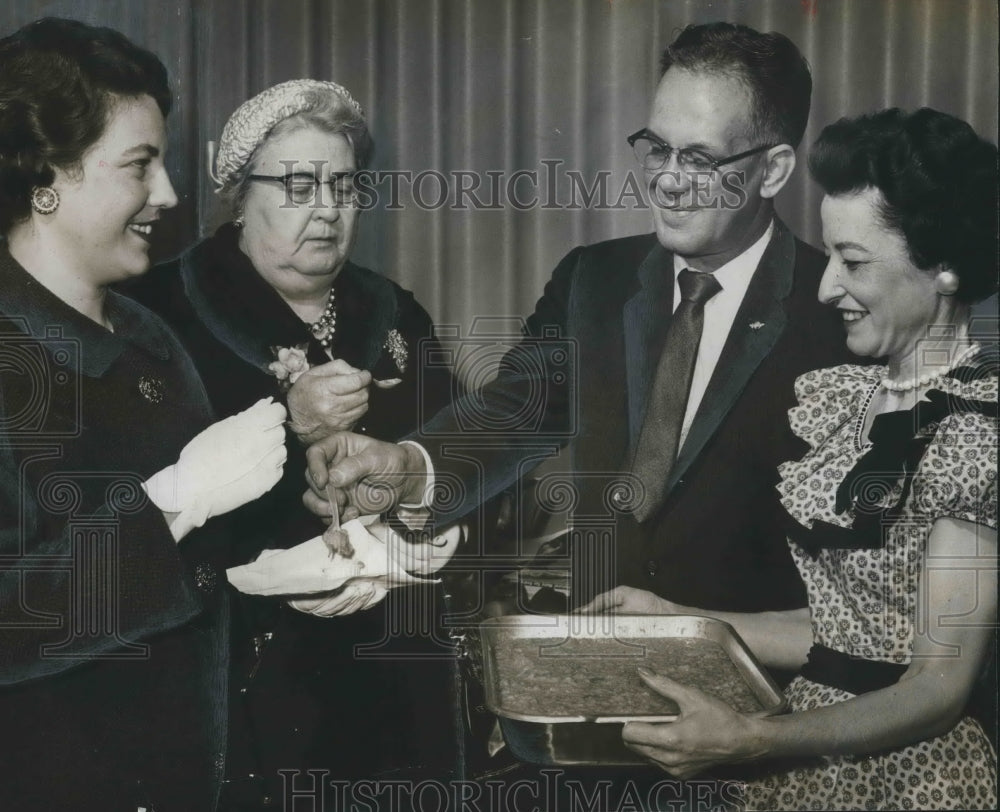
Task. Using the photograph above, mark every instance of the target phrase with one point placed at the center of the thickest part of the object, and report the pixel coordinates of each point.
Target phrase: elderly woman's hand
(708, 732)
(328, 398)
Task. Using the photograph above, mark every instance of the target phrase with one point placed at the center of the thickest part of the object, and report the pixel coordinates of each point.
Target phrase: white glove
(328, 585)
(355, 596)
(230, 463)
(427, 557)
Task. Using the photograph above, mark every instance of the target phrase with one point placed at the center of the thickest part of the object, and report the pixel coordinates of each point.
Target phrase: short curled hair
(769, 65)
(59, 83)
(938, 181)
(328, 113)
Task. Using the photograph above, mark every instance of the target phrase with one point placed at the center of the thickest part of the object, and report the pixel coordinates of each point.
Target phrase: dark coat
(582, 376)
(229, 318)
(311, 703)
(113, 638)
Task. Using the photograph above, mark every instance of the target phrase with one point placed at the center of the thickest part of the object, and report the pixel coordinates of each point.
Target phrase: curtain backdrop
(495, 87)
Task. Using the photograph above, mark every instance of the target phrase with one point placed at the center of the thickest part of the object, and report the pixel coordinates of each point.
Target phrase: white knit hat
(255, 118)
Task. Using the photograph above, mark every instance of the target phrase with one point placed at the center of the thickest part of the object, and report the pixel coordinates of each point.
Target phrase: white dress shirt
(720, 313)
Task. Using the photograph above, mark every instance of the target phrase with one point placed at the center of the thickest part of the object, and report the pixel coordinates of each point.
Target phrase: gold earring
(44, 199)
(946, 283)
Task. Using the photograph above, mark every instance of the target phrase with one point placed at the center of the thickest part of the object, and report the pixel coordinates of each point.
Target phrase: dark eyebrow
(333, 175)
(698, 147)
(141, 149)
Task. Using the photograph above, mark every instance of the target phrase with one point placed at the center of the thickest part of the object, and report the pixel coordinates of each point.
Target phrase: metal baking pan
(589, 735)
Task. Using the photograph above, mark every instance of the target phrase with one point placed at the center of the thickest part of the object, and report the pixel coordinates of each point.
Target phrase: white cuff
(425, 502)
(162, 492)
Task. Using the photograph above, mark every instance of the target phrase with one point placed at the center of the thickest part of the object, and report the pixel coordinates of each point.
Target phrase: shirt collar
(39, 312)
(740, 268)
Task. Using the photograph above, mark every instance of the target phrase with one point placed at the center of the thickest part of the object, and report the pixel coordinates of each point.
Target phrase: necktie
(666, 403)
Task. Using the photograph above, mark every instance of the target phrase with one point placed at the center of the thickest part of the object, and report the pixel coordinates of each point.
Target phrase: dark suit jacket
(582, 375)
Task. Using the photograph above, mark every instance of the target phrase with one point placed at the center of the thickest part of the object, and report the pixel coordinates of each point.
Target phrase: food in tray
(597, 676)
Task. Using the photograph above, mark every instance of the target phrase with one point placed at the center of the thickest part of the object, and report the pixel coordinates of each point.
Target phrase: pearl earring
(946, 283)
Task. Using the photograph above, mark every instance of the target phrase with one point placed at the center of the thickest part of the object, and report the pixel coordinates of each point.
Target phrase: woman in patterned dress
(892, 512)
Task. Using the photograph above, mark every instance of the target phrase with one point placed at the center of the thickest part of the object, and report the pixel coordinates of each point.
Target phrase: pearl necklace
(325, 326)
(927, 377)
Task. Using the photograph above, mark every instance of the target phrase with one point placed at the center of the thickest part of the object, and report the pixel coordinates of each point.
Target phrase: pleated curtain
(465, 91)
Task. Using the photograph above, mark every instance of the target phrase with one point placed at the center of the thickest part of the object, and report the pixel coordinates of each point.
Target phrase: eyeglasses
(653, 153)
(302, 187)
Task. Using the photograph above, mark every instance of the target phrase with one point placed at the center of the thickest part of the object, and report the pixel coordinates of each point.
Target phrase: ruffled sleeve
(957, 476)
(829, 401)
(829, 398)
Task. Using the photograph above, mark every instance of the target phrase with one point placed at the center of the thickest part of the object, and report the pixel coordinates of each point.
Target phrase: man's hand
(368, 476)
(328, 398)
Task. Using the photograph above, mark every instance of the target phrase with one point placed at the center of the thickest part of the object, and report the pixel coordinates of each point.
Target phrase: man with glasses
(668, 358)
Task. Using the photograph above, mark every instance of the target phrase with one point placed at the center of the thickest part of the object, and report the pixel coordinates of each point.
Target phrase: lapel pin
(152, 388)
(756, 325)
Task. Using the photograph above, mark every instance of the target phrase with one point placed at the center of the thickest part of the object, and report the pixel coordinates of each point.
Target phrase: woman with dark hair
(892, 512)
(113, 616)
(272, 304)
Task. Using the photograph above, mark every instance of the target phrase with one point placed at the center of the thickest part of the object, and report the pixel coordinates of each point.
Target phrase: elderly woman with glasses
(272, 304)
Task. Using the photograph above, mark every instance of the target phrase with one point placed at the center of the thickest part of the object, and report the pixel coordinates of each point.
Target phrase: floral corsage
(288, 365)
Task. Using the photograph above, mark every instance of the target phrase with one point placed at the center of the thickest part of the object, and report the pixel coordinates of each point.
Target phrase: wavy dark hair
(59, 83)
(938, 181)
(769, 65)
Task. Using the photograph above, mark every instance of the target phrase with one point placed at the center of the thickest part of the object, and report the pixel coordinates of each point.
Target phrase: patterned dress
(864, 601)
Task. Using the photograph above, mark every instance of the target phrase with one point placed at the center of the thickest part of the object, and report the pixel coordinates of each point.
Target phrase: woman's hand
(779, 639)
(627, 600)
(353, 597)
(230, 463)
(707, 732)
(328, 398)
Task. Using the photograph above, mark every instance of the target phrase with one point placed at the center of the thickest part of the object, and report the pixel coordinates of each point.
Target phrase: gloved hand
(230, 463)
(359, 594)
(428, 557)
(355, 596)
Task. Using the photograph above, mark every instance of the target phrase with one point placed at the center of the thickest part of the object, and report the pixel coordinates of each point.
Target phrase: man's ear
(778, 169)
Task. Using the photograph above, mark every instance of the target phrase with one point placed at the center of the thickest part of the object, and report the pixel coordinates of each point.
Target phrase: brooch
(756, 325)
(396, 346)
(152, 388)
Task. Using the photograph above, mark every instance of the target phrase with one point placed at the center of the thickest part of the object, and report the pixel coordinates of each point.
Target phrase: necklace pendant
(326, 325)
